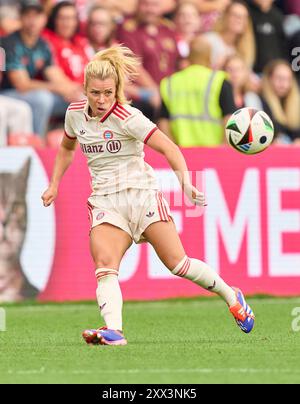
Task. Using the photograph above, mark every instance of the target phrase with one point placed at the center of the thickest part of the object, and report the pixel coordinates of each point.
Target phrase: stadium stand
(245, 38)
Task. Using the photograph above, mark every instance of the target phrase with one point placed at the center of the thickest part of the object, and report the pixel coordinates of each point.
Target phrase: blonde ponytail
(118, 63)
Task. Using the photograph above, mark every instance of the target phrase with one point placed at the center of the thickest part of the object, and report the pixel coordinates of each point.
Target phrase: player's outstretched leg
(204, 276)
(164, 238)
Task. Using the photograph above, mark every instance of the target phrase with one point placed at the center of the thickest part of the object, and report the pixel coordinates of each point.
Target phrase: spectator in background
(118, 8)
(281, 100)
(100, 29)
(70, 50)
(211, 11)
(154, 40)
(169, 6)
(15, 117)
(30, 74)
(121, 8)
(196, 100)
(268, 27)
(188, 25)
(233, 34)
(240, 77)
(47, 5)
(9, 17)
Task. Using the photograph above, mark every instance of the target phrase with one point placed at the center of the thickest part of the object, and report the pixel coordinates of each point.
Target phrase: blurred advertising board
(249, 232)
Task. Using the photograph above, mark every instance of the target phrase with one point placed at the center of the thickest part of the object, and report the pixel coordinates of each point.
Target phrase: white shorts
(132, 210)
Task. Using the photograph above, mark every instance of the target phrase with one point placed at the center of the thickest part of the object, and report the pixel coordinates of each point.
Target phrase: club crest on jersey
(100, 216)
(108, 135)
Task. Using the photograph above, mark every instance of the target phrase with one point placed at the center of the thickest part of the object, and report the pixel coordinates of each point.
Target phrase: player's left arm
(165, 146)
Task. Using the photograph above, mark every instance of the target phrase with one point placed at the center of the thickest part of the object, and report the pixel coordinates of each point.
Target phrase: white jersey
(113, 146)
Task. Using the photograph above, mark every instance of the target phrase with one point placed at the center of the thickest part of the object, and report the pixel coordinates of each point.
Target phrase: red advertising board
(249, 232)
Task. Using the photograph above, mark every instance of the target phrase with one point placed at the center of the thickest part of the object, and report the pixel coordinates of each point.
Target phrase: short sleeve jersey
(113, 146)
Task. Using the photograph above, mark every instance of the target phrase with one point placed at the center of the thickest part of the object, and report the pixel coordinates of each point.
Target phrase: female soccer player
(125, 204)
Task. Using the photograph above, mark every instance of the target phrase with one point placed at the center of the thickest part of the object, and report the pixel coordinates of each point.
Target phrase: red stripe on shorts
(90, 216)
(165, 210)
(90, 210)
(159, 207)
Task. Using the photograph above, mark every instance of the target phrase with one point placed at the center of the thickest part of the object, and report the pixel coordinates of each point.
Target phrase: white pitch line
(197, 370)
(160, 371)
(27, 372)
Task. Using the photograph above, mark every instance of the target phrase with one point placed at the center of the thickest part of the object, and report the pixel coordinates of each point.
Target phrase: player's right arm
(63, 160)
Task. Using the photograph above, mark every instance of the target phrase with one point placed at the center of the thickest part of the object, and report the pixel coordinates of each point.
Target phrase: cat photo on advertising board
(26, 250)
(13, 225)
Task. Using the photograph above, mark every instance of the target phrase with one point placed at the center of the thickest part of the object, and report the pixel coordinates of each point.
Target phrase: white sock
(109, 298)
(204, 276)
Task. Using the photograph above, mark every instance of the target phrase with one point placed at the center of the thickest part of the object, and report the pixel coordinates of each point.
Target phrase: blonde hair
(118, 63)
(200, 52)
(245, 45)
(285, 111)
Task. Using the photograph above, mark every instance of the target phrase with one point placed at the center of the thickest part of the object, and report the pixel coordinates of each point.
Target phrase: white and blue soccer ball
(250, 131)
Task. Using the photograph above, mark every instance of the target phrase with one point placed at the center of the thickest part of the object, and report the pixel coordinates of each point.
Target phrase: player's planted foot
(103, 336)
(111, 337)
(242, 313)
(91, 336)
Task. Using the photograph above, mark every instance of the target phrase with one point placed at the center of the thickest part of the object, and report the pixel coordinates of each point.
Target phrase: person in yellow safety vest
(197, 101)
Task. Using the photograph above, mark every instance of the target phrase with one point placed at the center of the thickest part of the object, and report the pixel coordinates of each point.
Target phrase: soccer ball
(250, 131)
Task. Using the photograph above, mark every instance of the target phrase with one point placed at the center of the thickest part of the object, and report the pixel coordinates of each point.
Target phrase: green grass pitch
(174, 341)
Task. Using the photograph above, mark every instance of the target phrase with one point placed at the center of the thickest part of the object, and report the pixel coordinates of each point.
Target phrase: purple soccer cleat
(243, 313)
(103, 336)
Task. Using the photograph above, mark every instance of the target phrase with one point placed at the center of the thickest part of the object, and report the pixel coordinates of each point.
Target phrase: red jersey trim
(150, 134)
(70, 137)
(122, 110)
(78, 103)
(103, 119)
(76, 106)
(76, 109)
(118, 114)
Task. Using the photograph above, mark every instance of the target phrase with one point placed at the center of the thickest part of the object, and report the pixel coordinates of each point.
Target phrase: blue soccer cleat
(242, 313)
(103, 336)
